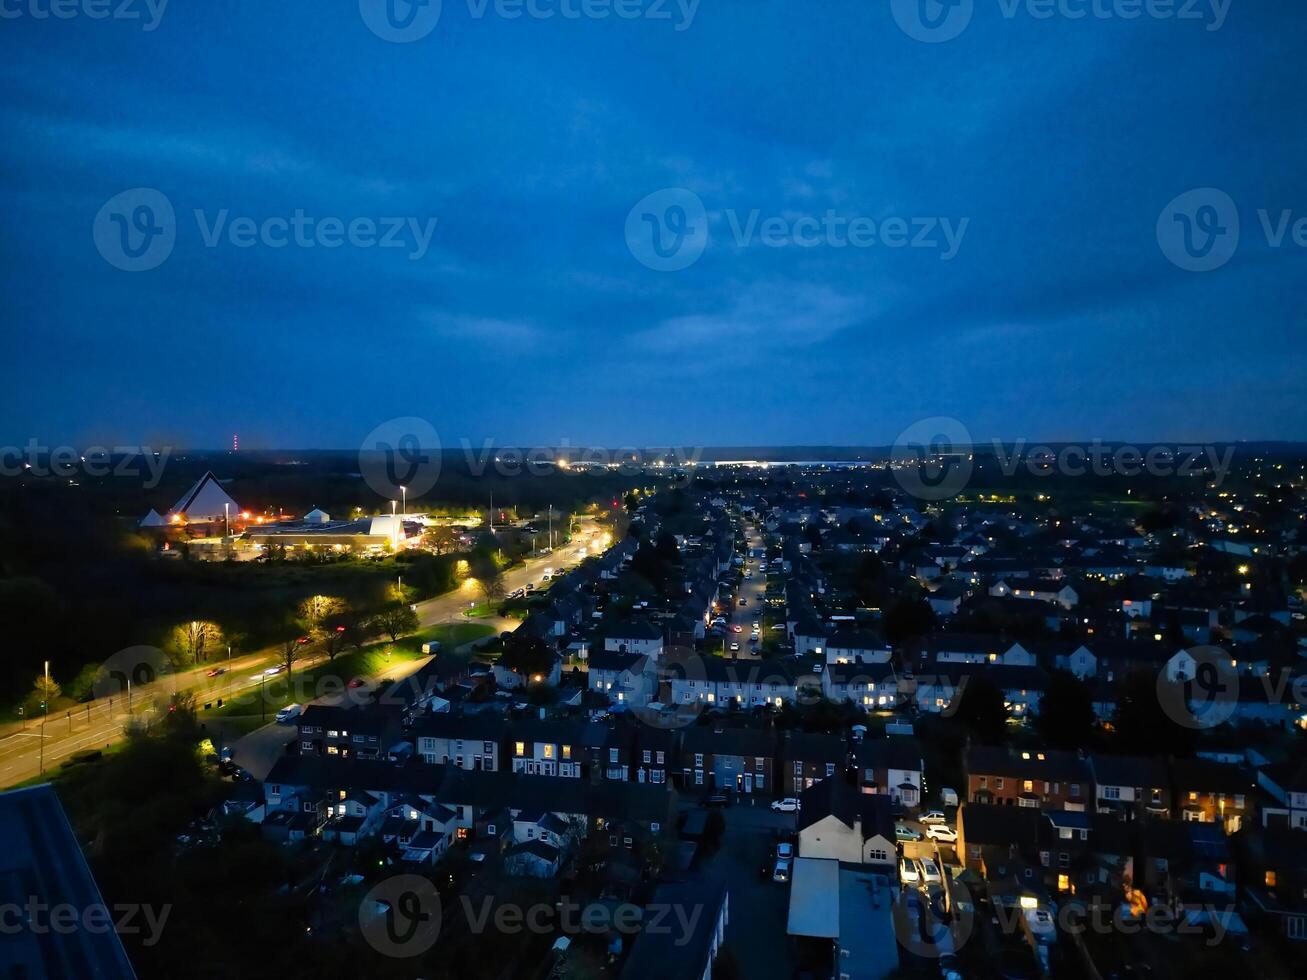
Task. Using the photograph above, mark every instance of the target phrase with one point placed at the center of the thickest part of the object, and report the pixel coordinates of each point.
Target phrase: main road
(30, 749)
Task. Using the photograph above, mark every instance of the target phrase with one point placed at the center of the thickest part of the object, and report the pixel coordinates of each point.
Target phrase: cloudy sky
(761, 222)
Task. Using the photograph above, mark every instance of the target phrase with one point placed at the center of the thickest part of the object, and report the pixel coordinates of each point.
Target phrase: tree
(908, 618)
(1142, 726)
(315, 610)
(292, 645)
(44, 691)
(489, 578)
(526, 655)
(1066, 711)
(981, 707)
(190, 642)
(441, 538)
(395, 620)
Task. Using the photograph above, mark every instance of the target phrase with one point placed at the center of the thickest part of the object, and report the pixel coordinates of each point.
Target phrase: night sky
(1055, 146)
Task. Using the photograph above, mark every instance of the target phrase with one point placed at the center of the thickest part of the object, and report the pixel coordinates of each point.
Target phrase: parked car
(908, 873)
(934, 816)
(785, 850)
(291, 711)
(904, 832)
(782, 872)
(929, 872)
(942, 833)
(788, 805)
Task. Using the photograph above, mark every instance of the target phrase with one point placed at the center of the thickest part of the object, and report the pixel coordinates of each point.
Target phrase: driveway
(756, 932)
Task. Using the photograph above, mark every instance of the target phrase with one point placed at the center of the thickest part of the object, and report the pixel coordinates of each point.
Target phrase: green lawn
(451, 635)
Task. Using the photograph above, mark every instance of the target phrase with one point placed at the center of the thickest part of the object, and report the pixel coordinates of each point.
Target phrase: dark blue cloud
(1057, 141)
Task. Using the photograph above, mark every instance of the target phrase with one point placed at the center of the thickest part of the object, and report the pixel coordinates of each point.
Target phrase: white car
(735, 648)
(929, 873)
(908, 873)
(787, 805)
(785, 851)
(943, 833)
(934, 816)
(273, 671)
(782, 872)
(287, 713)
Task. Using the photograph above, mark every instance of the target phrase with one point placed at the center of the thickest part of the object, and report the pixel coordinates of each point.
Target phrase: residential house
(993, 839)
(1286, 785)
(351, 732)
(848, 646)
(1042, 779)
(635, 635)
(1131, 786)
(662, 952)
(1274, 873)
(1213, 792)
(472, 741)
(810, 758)
(739, 759)
(892, 766)
(839, 823)
(548, 748)
(870, 686)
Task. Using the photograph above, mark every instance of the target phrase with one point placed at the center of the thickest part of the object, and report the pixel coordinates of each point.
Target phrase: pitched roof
(44, 863)
(204, 501)
(834, 797)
